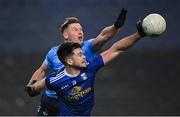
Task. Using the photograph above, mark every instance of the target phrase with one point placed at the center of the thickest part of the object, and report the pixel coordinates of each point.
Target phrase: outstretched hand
(121, 18)
(140, 28)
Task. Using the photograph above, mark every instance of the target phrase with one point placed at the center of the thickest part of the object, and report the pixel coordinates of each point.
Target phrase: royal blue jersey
(75, 92)
(53, 63)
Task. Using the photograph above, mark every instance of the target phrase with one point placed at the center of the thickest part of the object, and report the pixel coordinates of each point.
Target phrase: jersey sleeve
(48, 61)
(88, 45)
(96, 63)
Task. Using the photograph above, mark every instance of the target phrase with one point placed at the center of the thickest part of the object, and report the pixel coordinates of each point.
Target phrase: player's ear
(65, 35)
(69, 61)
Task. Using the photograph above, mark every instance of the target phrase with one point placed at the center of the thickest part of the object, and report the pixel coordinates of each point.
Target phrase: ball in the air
(154, 25)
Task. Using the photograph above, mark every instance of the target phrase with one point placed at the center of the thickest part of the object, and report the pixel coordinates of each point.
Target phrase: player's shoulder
(53, 50)
(88, 41)
(55, 77)
(87, 46)
(96, 61)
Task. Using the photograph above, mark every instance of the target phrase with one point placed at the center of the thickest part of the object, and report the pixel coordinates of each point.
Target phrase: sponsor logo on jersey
(77, 93)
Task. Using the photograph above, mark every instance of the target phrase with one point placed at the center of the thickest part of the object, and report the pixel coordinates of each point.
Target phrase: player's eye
(75, 29)
(80, 54)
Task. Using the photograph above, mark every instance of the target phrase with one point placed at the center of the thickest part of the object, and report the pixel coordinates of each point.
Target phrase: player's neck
(72, 70)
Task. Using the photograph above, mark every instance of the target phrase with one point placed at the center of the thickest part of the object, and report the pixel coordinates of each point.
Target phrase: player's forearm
(106, 34)
(110, 31)
(119, 47)
(38, 75)
(126, 43)
(38, 86)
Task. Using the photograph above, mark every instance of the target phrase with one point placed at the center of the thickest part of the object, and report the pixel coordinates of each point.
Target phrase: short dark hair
(68, 21)
(66, 49)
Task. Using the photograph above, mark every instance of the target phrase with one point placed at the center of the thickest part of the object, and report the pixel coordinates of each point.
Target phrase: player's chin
(84, 66)
(80, 42)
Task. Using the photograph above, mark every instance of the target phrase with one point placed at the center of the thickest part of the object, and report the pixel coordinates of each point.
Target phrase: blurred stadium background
(144, 81)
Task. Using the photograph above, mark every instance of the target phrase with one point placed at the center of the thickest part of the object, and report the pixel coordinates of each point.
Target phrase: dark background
(143, 81)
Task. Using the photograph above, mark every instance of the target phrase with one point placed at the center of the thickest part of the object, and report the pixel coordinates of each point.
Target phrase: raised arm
(123, 44)
(119, 47)
(110, 31)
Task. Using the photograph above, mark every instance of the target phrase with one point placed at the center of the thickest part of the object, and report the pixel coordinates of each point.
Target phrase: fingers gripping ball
(140, 28)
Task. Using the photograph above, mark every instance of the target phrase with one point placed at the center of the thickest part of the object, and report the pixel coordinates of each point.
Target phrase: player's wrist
(117, 25)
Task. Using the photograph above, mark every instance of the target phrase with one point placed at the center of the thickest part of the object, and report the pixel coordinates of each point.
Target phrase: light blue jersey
(53, 63)
(75, 92)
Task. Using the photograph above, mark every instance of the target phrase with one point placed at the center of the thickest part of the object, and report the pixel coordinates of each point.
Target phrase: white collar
(70, 75)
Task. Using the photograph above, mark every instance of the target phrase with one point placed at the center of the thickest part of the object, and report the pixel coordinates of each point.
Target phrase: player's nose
(80, 33)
